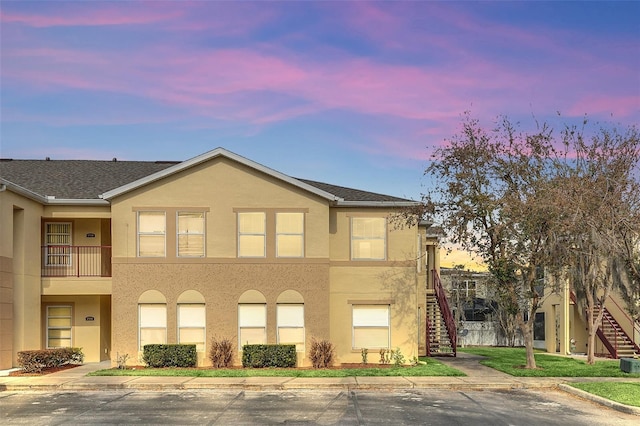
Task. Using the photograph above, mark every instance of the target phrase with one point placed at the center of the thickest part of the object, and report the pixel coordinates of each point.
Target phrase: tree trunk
(527, 333)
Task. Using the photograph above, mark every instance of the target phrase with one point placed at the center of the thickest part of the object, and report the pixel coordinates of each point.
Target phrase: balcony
(76, 261)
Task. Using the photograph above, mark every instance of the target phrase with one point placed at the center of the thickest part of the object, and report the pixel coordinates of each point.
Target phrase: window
(251, 234)
(290, 234)
(368, 238)
(59, 321)
(252, 324)
(191, 234)
(370, 326)
(58, 242)
(191, 325)
(466, 289)
(151, 234)
(291, 325)
(153, 324)
(538, 326)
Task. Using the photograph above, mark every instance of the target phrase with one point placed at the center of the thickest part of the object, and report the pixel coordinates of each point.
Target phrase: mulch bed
(20, 373)
(240, 367)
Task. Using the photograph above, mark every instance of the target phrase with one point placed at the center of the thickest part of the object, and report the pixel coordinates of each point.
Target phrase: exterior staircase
(612, 335)
(441, 329)
(614, 338)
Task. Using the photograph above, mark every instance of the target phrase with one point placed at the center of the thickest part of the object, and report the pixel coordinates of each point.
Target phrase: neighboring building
(474, 308)
(560, 324)
(112, 255)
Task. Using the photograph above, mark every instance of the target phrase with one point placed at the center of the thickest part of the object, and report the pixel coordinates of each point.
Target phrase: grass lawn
(624, 393)
(431, 368)
(513, 360)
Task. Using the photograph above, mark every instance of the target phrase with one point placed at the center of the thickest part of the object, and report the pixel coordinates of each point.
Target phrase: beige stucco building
(112, 255)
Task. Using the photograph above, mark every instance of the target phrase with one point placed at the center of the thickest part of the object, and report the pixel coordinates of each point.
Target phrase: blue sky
(351, 93)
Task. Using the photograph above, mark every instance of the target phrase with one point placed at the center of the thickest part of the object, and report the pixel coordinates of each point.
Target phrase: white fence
(483, 333)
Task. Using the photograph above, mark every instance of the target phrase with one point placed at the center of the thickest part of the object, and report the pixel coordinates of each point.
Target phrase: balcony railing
(76, 261)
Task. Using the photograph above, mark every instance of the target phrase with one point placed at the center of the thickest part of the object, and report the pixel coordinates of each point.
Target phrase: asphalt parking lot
(339, 407)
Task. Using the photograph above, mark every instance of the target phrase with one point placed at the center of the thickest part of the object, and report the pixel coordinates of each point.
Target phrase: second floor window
(290, 234)
(368, 238)
(151, 234)
(191, 234)
(465, 289)
(251, 234)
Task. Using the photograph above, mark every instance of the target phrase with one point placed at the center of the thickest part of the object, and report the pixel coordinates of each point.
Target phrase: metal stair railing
(608, 318)
(445, 311)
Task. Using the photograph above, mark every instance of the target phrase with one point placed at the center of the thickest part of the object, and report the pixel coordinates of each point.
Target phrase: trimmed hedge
(169, 355)
(260, 356)
(38, 360)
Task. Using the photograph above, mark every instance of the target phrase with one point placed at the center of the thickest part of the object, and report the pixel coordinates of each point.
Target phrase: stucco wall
(219, 186)
(19, 276)
(221, 285)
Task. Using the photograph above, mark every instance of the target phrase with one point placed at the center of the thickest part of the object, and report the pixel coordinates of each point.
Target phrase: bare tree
(596, 207)
(491, 196)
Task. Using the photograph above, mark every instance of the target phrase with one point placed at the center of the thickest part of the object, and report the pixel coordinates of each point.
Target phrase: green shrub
(321, 353)
(169, 355)
(38, 360)
(398, 358)
(221, 353)
(260, 356)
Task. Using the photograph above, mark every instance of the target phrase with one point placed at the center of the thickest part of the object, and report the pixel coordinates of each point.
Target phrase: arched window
(290, 319)
(152, 318)
(252, 318)
(192, 319)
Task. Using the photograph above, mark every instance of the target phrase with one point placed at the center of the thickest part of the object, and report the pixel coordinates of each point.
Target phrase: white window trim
(352, 238)
(204, 327)
(302, 347)
(70, 328)
(138, 233)
(462, 287)
(67, 255)
(263, 234)
(290, 233)
(240, 343)
(204, 233)
(140, 348)
(354, 327)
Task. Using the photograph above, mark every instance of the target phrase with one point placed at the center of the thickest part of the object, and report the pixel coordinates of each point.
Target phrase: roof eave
(77, 201)
(344, 203)
(218, 152)
(23, 191)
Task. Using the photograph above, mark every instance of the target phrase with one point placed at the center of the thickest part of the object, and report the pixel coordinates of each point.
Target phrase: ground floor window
(191, 325)
(152, 324)
(291, 325)
(371, 326)
(252, 324)
(59, 322)
(538, 326)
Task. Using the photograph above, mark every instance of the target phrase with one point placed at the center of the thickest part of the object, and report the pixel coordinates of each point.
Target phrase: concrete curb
(84, 386)
(600, 400)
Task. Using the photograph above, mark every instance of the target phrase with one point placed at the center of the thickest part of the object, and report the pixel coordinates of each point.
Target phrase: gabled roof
(75, 179)
(218, 152)
(96, 182)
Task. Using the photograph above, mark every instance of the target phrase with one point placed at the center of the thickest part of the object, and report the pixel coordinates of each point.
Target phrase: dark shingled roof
(87, 179)
(76, 179)
(350, 194)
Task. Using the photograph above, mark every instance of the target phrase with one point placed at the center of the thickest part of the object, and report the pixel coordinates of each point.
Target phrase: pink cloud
(124, 14)
(616, 106)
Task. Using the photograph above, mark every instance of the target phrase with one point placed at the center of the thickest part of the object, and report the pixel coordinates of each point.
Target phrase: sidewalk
(478, 377)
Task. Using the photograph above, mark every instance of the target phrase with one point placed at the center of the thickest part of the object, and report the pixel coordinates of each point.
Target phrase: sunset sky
(350, 93)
